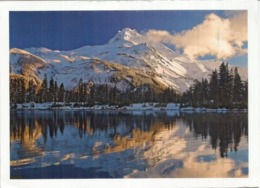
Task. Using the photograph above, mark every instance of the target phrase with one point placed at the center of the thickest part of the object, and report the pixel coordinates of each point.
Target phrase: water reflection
(224, 130)
(128, 144)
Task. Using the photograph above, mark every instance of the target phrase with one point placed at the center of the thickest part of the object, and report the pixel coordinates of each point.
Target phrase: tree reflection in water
(114, 131)
(225, 130)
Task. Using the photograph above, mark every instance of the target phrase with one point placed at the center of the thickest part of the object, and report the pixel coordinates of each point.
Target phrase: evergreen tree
(21, 91)
(114, 95)
(80, 91)
(31, 92)
(205, 92)
(223, 80)
(214, 89)
(85, 93)
(92, 98)
(238, 88)
(230, 85)
(56, 91)
(43, 91)
(61, 93)
(13, 90)
(200, 93)
(245, 95)
(51, 93)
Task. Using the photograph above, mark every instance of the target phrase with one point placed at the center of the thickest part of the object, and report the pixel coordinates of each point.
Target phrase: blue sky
(68, 30)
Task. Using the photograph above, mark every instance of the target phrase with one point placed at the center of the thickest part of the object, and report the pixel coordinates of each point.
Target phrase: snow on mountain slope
(24, 63)
(127, 60)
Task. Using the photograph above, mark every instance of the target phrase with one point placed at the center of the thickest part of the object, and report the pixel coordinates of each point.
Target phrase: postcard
(156, 94)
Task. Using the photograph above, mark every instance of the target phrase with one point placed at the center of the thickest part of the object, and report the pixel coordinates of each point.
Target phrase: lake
(127, 144)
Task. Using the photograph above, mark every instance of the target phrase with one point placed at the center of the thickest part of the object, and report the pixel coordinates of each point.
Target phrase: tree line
(224, 88)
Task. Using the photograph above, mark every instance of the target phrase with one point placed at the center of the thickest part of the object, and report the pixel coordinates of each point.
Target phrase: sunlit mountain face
(127, 61)
(140, 144)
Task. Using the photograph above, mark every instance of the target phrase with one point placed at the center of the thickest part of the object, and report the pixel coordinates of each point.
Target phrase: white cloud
(216, 36)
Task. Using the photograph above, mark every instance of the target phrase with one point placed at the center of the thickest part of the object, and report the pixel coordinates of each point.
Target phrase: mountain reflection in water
(110, 144)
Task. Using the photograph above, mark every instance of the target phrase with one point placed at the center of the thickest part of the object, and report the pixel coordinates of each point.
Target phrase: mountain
(128, 60)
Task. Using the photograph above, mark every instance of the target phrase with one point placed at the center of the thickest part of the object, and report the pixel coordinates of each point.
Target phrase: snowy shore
(136, 106)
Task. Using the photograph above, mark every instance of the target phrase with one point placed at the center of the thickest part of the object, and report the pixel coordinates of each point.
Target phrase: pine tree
(245, 95)
(230, 85)
(56, 91)
(205, 92)
(92, 97)
(85, 93)
(214, 89)
(21, 91)
(43, 91)
(61, 93)
(80, 90)
(196, 93)
(237, 88)
(51, 94)
(225, 86)
(114, 95)
(31, 92)
(13, 90)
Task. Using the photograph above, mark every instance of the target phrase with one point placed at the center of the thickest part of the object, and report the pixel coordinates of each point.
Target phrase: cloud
(216, 36)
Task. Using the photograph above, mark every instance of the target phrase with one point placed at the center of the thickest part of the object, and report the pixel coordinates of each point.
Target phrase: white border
(254, 78)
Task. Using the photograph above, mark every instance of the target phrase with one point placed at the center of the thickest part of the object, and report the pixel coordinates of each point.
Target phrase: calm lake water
(135, 144)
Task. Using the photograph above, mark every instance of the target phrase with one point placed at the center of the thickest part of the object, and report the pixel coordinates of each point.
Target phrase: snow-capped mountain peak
(127, 35)
(127, 60)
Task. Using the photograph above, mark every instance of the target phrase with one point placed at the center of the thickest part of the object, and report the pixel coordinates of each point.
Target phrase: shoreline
(131, 107)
